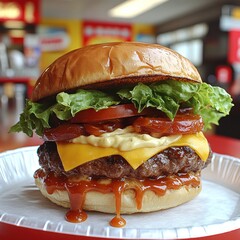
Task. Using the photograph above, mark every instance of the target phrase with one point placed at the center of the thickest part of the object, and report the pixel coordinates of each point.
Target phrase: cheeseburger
(122, 125)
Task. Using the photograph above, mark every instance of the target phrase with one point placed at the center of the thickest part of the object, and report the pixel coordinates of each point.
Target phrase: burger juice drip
(77, 191)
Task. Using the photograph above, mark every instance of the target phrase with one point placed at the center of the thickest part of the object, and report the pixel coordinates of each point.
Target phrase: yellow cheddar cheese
(75, 154)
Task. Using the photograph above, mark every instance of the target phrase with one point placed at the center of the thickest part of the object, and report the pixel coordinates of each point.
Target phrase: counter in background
(18, 140)
(224, 145)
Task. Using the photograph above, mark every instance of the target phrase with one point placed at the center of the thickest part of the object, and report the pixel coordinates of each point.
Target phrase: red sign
(54, 39)
(27, 11)
(224, 74)
(98, 32)
(234, 46)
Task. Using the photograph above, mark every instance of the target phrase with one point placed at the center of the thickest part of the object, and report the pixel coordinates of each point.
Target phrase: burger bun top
(111, 65)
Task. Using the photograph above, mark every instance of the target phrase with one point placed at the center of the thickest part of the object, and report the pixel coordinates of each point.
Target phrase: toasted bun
(112, 64)
(96, 201)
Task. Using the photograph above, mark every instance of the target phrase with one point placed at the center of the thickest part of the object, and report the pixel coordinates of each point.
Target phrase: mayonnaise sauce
(125, 140)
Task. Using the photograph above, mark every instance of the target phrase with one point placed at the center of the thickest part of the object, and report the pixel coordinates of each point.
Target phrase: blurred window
(186, 41)
(193, 50)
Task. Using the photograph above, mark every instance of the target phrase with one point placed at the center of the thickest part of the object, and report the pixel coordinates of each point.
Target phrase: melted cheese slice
(75, 154)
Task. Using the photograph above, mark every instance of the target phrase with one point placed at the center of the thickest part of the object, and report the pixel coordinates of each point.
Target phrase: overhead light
(133, 8)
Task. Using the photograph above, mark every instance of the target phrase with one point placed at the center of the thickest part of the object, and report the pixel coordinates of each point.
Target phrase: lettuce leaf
(36, 116)
(210, 102)
(69, 104)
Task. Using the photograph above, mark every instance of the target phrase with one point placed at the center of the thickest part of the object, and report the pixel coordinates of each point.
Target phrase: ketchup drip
(76, 197)
(118, 188)
(77, 191)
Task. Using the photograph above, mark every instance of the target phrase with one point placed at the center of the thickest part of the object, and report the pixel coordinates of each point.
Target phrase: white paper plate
(216, 210)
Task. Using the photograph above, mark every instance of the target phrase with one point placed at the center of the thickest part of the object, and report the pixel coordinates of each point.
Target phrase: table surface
(218, 144)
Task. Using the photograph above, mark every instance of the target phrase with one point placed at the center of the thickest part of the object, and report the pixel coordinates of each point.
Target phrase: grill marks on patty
(170, 161)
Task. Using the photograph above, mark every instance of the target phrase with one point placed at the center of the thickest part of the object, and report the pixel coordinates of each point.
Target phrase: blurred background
(33, 33)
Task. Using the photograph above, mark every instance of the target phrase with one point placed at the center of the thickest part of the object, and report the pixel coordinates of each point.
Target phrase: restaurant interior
(73, 173)
(33, 33)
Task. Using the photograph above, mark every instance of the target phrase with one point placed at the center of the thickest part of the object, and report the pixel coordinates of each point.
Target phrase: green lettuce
(36, 116)
(210, 102)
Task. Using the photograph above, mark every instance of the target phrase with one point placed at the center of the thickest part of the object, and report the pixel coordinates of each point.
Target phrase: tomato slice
(63, 132)
(155, 123)
(97, 129)
(182, 124)
(112, 112)
(68, 131)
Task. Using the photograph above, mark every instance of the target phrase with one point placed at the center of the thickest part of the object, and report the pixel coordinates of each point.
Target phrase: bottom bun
(105, 202)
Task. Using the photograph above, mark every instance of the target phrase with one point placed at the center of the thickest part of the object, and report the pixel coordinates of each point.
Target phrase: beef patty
(170, 161)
